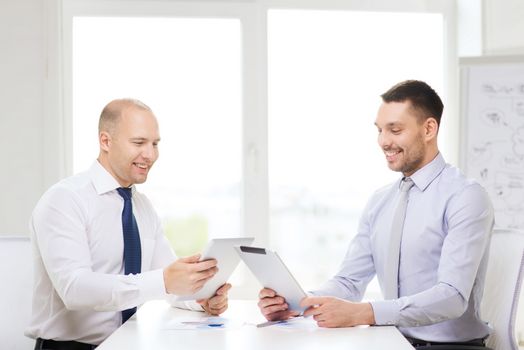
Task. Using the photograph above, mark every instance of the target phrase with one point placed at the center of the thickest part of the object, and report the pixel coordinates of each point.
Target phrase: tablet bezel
(221, 249)
(272, 273)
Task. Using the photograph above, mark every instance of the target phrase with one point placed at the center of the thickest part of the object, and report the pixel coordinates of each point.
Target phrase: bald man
(83, 290)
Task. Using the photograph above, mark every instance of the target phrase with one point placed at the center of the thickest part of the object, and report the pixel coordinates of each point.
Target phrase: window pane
(327, 70)
(188, 71)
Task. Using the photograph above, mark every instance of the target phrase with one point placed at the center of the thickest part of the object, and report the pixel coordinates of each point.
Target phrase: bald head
(113, 111)
(128, 138)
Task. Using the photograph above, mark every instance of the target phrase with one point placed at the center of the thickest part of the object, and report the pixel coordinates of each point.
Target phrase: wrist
(370, 314)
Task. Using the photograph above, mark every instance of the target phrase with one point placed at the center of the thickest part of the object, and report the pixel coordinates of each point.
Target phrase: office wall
(503, 27)
(22, 68)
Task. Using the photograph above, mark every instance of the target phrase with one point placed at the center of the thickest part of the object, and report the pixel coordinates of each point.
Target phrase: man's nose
(149, 152)
(383, 140)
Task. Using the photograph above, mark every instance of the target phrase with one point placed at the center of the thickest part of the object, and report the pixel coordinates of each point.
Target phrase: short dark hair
(424, 100)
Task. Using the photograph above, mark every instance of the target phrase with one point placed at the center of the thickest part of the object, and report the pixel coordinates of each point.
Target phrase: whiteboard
(492, 100)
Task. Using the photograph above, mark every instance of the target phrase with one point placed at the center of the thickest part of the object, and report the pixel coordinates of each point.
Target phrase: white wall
(16, 292)
(503, 27)
(22, 68)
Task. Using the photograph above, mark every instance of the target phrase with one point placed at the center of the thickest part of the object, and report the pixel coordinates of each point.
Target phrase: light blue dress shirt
(443, 256)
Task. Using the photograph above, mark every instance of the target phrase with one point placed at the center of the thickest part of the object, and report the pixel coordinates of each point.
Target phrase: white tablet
(221, 249)
(272, 273)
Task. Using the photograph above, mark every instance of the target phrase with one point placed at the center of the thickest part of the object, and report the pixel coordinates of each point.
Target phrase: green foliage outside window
(187, 236)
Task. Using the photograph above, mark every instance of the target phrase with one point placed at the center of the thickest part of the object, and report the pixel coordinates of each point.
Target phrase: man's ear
(105, 140)
(431, 128)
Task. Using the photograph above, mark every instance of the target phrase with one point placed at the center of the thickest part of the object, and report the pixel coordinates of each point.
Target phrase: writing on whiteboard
(495, 137)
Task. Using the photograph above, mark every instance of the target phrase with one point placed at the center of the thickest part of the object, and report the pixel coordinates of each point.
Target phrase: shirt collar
(102, 180)
(424, 176)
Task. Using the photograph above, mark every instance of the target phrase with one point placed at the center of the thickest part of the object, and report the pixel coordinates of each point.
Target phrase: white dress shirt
(79, 282)
(443, 256)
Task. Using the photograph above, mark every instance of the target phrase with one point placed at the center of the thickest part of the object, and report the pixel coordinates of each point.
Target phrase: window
(327, 70)
(266, 110)
(188, 71)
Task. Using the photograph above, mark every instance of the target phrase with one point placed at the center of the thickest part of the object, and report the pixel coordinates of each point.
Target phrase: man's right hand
(187, 275)
(273, 306)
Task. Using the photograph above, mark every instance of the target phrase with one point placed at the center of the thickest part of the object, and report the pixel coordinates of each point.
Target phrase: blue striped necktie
(132, 250)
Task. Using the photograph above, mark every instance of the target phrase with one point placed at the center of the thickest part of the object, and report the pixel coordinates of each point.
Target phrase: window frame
(253, 17)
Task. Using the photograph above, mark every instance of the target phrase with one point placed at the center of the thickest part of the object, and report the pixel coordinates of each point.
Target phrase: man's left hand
(334, 312)
(217, 304)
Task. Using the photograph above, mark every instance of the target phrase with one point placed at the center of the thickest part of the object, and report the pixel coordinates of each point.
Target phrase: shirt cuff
(387, 312)
(151, 285)
(193, 305)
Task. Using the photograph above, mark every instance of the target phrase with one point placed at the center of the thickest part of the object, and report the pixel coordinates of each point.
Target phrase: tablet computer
(272, 273)
(223, 250)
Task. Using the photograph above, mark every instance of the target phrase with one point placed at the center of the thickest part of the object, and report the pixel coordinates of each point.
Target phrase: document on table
(186, 323)
(215, 322)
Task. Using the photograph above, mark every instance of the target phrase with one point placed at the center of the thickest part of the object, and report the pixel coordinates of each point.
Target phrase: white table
(149, 330)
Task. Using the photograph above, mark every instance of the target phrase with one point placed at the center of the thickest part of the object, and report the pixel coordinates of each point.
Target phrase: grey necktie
(397, 225)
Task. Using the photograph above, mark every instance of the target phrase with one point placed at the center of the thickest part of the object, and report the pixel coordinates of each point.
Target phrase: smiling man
(99, 247)
(425, 237)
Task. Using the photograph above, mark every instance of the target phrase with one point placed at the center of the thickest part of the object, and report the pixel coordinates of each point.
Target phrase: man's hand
(334, 312)
(273, 306)
(187, 275)
(217, 304)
